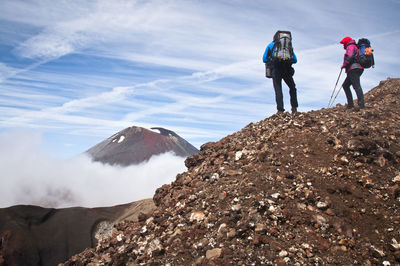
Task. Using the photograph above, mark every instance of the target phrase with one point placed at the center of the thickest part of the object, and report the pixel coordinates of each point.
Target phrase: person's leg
(277, 81)
(288, 78)
(355, 81)
(346, 88)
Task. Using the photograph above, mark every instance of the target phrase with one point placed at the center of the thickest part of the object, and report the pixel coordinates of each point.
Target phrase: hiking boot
(350, 106)
(294, 110)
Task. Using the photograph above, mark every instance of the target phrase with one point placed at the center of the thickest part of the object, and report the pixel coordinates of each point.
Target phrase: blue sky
(79, 71)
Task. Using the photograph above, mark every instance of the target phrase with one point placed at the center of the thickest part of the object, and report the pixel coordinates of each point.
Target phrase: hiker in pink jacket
(354, 70)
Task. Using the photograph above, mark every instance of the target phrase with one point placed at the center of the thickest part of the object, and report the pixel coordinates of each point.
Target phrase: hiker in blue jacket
(282, 70)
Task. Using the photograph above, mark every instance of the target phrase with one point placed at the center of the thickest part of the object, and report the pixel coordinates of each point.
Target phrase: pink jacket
(351, 56)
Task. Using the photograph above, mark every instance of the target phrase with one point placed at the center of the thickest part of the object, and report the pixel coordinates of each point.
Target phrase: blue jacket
(269, 47)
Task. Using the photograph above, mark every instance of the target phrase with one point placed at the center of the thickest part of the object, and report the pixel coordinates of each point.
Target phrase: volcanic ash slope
(318, 187)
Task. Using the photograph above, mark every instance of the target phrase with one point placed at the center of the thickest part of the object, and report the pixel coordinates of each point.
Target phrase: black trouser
(284, 72)
(353, 78)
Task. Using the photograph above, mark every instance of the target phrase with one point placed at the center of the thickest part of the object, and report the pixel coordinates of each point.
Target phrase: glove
(343, 66)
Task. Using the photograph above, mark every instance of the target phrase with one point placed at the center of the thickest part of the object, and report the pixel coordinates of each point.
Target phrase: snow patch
(121, 139)
(156, 130)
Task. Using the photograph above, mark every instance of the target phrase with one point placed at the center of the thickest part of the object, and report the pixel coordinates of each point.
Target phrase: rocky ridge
(321, 187)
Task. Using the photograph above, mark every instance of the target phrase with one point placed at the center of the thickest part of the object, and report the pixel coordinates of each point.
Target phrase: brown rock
(106, 258)
(197, 216)
(213, 253)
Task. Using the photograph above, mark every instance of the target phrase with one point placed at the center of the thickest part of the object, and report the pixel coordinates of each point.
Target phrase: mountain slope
(134, 145)
(321, 187)
(32, 235)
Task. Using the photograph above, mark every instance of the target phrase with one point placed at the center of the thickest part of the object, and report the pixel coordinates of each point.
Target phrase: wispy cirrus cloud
(184, 65)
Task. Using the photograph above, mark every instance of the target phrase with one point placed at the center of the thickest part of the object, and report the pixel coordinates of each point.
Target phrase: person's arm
(268, 53)
(349, 56)
(265, 56)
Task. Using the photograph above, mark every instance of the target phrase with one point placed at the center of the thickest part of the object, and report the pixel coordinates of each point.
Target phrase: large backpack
(282, 50)
(366, 56)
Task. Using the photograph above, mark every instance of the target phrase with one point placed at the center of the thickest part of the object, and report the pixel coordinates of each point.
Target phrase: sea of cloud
(31, 176)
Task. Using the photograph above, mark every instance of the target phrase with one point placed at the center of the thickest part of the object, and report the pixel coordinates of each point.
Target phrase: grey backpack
(282, 52)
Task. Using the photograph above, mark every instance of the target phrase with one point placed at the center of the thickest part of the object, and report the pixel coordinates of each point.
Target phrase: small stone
(213, 253)
(325, 245)
(381, 161)
(177, 232)
(260, 228)
(358, 164)
(236, 207)
(214, 177)
(366, 181)
(119, 237)
(197, 216)
(273, 231)
(222, 195)
(301, 206)
(199, 261)
(395, 245)
(283, 253)
(238, 155)
(275, 195)
(256, 239)
(377, 253)
(222, 227)
(309, 254)
(396, 179)
(106, 258)
(150, 220)
(322, 205)
(231, 233)
(319, 219)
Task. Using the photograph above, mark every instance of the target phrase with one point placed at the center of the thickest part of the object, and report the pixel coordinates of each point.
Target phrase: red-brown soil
(321, 187)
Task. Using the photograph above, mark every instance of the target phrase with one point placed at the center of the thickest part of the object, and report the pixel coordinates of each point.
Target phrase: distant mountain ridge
(134, 145)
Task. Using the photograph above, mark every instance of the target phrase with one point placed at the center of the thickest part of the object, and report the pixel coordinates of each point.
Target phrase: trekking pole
(337, 93)
(333, 92)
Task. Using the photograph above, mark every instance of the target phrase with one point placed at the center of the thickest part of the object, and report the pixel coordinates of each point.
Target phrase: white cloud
(6, 71)
(30, 176)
